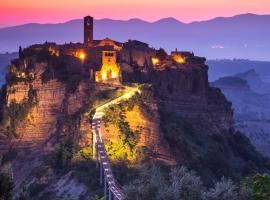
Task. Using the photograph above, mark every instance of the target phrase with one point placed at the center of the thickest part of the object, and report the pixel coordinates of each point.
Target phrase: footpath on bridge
(112, 189)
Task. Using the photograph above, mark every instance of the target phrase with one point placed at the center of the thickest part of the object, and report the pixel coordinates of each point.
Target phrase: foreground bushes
(182, 184)
(6, 187)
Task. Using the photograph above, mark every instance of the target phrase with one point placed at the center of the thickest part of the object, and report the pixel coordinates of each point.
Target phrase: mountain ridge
(156, 21)
(229, 37)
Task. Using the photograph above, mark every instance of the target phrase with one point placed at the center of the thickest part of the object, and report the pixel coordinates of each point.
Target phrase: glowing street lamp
(82, 56)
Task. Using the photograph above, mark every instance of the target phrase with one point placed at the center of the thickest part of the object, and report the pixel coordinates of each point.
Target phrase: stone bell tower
(88, 30)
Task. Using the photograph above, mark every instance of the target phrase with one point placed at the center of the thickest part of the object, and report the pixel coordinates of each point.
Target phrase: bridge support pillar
(97, 159)
(105, 188)
(94, 145)
(100, 174)
(110, 195)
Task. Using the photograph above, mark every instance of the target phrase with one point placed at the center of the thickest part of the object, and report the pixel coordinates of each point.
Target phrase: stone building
(110, 70)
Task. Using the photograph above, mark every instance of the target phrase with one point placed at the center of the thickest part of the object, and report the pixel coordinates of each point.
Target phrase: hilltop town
(106, 60)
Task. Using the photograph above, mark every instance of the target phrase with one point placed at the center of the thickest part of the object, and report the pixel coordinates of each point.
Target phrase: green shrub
(128, 139)
(259, 186)
(65, 152)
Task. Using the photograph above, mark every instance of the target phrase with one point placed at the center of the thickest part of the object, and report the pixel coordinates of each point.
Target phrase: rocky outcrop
(42, 119)
(184, 90)
(44, 123)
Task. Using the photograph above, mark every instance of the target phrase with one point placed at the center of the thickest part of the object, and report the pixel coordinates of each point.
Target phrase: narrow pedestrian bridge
(112, 190)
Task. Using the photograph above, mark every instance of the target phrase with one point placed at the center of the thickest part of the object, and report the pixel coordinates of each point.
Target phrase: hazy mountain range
(242, 36)
(250, 97)
(225, 67)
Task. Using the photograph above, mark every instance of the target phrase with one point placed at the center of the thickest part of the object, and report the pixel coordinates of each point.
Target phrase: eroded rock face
(41, 121)
(185, 92)
(43, 126)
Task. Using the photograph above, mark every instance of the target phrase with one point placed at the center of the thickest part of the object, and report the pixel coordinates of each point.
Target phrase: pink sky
(13, 12)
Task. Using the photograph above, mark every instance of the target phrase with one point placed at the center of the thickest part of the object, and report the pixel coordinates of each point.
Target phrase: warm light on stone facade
(110, 71)
(179, 59)
(155, 61)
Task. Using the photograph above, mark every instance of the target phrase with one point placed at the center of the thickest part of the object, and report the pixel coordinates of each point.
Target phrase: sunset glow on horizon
(50, 11)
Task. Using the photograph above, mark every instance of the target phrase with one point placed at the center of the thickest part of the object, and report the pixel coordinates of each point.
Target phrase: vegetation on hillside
(259, 186)
(208, 153)
(154, 183)
(126, 147)
(17, 112)
(66, 69)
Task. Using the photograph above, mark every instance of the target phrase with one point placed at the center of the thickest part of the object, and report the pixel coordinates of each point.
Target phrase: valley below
(250, 99)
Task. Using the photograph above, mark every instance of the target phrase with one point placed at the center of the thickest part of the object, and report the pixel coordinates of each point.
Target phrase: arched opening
(109, 74)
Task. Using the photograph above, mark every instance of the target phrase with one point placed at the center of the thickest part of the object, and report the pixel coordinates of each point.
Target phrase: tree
(186, 185)
(260, 186)
(65, 152)
(6, 187)
(20, 52)
(153, 184)
(223, 190)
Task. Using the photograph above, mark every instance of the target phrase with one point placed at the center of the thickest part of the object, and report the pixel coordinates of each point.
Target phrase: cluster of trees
(182, 184)
(125, 147)
(64, 153)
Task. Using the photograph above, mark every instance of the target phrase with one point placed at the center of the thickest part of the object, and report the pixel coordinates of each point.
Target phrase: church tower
(88, 30)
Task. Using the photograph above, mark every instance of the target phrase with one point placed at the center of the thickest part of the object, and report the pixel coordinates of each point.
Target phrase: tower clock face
(88, 22)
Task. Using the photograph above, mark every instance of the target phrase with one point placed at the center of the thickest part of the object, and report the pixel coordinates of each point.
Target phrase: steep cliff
(197, 122)
(37, 115)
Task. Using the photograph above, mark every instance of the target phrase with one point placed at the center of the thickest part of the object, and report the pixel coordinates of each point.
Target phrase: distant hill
(4, 61)
(241, 36)
(221, 68)
(250, 98)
